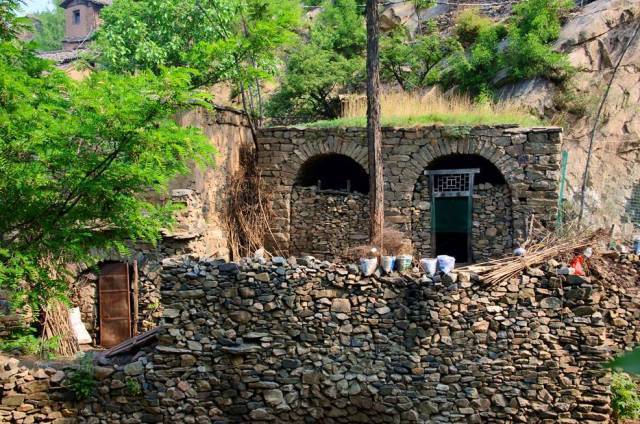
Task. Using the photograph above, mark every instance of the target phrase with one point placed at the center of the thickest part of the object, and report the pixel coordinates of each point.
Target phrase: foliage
(224, 40)
(312, 77)
(331, 59)
(133, 386)
(423, 4)
(469, 24)
(625, 399)
(26, 342)
(50, 32)
(415, 63)
(475, 70)
(525, 53)
(82, 380)
(536, 24)
(10, 24)
(75, 162)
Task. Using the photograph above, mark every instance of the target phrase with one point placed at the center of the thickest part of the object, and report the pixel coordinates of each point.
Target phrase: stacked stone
(528, 158)
(326, 224)
(304, 340)
(32, 396)
(492, 232)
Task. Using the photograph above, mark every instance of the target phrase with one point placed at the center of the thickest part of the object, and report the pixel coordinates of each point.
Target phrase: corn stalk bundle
(248, 213)
(57, 327)
(550, 246)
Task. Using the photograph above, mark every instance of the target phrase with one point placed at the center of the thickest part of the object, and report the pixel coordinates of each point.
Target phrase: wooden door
(115, 304)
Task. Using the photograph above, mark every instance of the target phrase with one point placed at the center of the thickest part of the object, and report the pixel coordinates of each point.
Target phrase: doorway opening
(452, 180)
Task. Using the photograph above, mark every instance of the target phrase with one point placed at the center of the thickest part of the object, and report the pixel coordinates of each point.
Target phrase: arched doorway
(462, 208)
(329, 206)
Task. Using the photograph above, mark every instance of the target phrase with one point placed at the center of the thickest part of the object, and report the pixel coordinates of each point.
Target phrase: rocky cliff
(594, 38)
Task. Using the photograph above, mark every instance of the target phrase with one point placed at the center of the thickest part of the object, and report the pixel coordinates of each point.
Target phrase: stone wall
(310, 341)
(528, 159)
(492, 233)
(326, 224)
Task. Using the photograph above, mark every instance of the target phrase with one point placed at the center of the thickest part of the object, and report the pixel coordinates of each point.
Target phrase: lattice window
(451, 183)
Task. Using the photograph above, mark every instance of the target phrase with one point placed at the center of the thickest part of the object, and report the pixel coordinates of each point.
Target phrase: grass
(401, 109)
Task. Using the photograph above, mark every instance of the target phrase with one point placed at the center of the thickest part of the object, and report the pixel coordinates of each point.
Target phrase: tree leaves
(80, 163)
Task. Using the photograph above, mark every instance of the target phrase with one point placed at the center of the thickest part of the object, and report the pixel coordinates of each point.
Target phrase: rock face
(323, 345)
(527, 159)
(594, 38)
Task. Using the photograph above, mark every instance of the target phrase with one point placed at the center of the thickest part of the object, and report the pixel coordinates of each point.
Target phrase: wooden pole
(136, 296)
(374, 133)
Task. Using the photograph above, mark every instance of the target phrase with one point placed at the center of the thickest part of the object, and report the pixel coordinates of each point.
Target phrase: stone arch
(471, 145)
(333, 171)
(329, 206)
(308, 150)
(492, 213)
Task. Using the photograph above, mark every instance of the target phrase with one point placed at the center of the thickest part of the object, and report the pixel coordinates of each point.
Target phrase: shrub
(469, 24)
(25, 342)
(82, 381)
(536, 24)
(625, 399)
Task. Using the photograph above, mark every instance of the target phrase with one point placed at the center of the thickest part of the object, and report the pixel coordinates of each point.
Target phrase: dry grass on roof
(402, 109)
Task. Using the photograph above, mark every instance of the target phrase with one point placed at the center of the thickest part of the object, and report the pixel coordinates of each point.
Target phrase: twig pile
(57, 326)
(549, 247)
(247, 213)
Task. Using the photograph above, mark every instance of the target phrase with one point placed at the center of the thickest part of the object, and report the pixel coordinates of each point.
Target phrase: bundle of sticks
(56, 326)
(541, 246)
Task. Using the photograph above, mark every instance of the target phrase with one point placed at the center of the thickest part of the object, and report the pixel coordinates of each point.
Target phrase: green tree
(309, 86)
(49, 35)
(224, 40)
(78, 162)
(415, 63)
(329, 60)
(534, 26)
(10, 24)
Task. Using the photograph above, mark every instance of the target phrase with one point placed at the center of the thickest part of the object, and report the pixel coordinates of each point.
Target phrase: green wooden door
(451, 225)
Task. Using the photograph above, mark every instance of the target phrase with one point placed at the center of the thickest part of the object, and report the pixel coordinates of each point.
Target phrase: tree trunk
(374, 133)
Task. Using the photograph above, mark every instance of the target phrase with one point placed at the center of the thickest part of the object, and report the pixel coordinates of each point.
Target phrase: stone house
(463, 191)
(82, 17)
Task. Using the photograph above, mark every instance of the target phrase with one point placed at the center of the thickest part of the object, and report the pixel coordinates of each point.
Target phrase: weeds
(133, 386)
(401, 108)
(25, 342)
(82, 381)
(625, 399)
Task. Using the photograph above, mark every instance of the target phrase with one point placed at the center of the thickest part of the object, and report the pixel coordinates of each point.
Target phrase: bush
(26, 343)
(469, 24)
(82, 381)
(536, 24)
(625, 399)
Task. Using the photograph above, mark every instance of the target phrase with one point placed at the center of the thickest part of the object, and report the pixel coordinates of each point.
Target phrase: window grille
(452, 182)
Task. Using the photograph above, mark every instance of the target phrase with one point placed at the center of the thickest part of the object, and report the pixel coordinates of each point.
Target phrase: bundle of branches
(248, 213)
(57, 328)
(550, 246)
(394, 242)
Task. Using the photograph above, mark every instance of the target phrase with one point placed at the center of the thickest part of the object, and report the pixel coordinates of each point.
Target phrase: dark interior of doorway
(452, 222)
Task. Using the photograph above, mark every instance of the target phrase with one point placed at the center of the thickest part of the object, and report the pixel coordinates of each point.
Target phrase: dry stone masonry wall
(304, 341)
(326, 224)
(527, 158)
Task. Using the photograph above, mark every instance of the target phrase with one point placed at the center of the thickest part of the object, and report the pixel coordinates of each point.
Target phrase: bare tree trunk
(374, 133)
